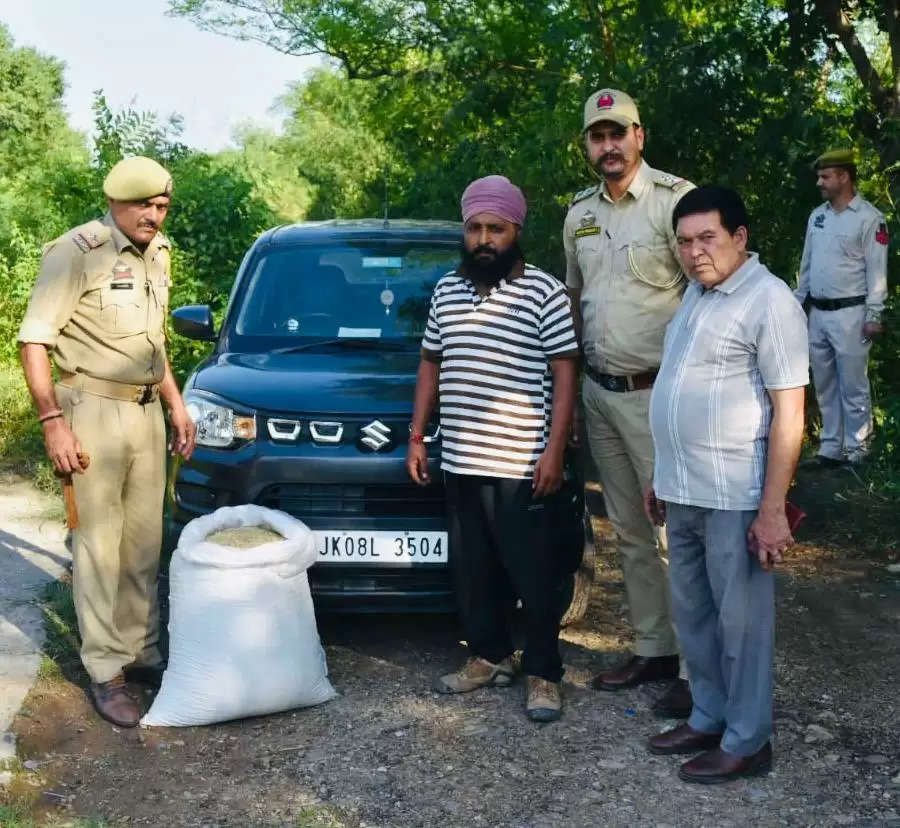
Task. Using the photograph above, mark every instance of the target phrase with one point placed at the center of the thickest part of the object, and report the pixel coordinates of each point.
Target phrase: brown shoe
(676, 702)
(718, 765)
(683, 739)
(475, 673)
(637, 670)
(543, 699)
(114, 703)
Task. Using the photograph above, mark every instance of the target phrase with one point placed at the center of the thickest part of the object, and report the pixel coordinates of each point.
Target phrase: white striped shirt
(495, 386)
(710, 411)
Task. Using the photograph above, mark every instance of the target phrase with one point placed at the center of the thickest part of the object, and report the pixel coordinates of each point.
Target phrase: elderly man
(843, 277)
(727, 421)
(625, 280)
(98, 309)
(500, 348)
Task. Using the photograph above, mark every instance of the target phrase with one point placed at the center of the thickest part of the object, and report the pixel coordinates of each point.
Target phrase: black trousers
(501, 538)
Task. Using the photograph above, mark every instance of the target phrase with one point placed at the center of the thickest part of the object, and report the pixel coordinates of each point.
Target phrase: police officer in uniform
(624, 276)
(98, 310)
(843, 282)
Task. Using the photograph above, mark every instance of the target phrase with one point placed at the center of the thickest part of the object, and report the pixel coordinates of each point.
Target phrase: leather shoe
(114, 703)
(683, 739)
(637, 670)
(718, 765)
(676, 702)
(149, 675)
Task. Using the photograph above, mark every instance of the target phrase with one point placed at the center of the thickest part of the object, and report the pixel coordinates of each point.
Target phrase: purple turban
(494, 194)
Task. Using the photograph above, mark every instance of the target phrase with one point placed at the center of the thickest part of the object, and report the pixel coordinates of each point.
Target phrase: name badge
(122, 286)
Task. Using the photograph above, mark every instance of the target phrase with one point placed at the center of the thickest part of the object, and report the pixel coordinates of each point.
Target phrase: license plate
(380, 547)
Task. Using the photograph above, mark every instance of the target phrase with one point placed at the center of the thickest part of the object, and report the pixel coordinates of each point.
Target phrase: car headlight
(217, 425)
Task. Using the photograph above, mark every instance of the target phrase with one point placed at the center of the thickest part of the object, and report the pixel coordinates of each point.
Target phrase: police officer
(624, 276)
(843, 278)
(98, 309)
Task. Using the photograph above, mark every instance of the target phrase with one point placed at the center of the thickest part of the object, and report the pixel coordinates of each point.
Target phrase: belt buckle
(146, 395)
(615, 383)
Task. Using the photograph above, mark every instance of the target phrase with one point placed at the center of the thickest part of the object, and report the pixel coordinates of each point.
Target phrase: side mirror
(194, 322)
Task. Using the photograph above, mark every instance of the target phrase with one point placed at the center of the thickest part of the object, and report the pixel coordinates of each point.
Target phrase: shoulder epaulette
(673, 182)
(90, 235)
(583, 194)
(163, 240)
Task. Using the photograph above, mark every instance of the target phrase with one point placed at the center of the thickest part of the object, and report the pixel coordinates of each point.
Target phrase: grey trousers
(724, 608)
(839, 361)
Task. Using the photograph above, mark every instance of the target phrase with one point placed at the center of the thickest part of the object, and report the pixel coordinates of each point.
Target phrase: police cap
(610, 105)
(836, 158)
(137, 178)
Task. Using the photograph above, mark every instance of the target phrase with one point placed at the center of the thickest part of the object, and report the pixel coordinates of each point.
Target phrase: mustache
(611, 156)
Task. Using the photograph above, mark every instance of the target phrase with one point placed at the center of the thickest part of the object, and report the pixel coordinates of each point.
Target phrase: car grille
(309, 500)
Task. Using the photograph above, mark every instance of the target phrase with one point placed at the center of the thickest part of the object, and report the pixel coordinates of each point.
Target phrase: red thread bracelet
(415, 437)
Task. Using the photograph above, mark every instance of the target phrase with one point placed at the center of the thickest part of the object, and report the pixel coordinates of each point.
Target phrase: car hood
(349, 382)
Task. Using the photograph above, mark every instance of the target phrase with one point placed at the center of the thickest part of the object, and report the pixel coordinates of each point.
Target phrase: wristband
(416, 437)
(50, 415)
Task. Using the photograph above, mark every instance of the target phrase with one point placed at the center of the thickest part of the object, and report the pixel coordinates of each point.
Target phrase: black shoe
(716, 766)
(676, 702)
(149, 675)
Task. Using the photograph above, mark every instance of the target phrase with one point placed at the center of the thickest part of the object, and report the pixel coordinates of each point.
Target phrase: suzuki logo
(376, 435)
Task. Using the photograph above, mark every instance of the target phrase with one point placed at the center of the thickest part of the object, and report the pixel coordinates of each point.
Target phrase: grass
(16, 816)
(21, 439)
(61, 626)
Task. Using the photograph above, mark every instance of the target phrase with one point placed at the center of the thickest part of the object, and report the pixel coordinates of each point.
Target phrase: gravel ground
(390, 752)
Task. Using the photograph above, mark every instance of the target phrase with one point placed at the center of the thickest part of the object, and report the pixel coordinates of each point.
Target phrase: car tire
(581, 581)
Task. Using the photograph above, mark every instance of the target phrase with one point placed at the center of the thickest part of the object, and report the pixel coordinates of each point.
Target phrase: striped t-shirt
(495, 386)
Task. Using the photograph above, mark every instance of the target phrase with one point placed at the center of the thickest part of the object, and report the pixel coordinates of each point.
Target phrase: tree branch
(840, 25)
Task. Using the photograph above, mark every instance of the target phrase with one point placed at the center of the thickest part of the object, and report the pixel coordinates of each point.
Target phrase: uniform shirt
(845, 254)
(623, 257)
(710, 410)
(495, 386)
(100, 305)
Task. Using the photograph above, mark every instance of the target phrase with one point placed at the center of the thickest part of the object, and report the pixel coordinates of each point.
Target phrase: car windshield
(367, 290)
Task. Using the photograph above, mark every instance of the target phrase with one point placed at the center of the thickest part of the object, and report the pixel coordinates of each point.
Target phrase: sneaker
(475, 673)
(543, 699)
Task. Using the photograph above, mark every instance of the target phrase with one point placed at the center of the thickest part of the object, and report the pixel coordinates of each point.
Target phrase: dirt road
(390, 752)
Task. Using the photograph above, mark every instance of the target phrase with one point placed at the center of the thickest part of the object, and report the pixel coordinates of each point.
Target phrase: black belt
(634, 382)
(836, 304)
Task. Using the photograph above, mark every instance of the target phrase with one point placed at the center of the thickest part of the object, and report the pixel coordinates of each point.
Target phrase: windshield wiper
(348, 341)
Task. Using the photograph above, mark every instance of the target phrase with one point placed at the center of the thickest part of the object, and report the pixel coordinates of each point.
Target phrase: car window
(353, 290)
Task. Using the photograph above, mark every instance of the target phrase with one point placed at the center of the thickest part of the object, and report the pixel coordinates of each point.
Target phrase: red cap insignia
(881, 235)
(605, 102)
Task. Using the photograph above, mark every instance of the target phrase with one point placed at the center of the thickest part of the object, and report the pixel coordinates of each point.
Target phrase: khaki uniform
(99, 305)
(844, 256)
(623, 257)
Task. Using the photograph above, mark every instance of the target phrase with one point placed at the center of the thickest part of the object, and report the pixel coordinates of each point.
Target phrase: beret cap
(836, 158)
(137, 178)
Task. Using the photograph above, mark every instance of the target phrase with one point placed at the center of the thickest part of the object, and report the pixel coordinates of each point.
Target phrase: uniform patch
(881, 235)
(583, 194)
(122, 271)
(86, 241)
(590, 230)
(819, 221)
(605, 101)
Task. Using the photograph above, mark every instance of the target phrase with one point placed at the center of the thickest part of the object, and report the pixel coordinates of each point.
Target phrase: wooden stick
(69, 493)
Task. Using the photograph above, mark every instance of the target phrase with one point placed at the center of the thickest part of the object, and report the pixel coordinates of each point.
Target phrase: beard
(489, 271)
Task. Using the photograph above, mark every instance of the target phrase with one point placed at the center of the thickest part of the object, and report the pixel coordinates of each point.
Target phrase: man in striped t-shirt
(500, 351)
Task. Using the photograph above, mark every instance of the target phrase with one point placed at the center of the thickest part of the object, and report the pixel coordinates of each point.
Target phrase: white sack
(242, 629)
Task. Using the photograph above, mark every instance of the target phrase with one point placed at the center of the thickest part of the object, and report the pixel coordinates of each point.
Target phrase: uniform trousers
(502, 541)
(839, 361)
(618, 434)
(724, 606)
(115, 550)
